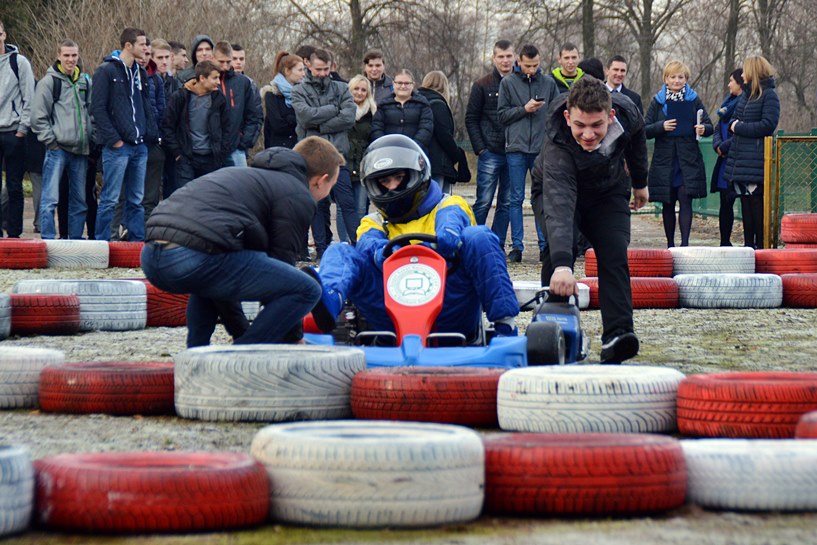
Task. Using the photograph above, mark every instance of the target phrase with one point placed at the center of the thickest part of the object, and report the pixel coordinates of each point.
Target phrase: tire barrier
(20, 374)
(588, 398)
(77, 254)
(799, 290)
(798, 228)
(729, 290)
(786, 261)
(45, 314)
(266, 382)
(125, 255)
(712, 260)
(150, 492)
(644, 262)
(752, 405)
(21, 253)
(648, 292)
(372, 474)
(16, 489)
(446, 395)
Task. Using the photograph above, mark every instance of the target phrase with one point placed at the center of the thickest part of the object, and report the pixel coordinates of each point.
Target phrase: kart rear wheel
(546, 344)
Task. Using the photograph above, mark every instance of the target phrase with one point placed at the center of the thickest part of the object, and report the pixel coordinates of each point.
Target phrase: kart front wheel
(546, 344)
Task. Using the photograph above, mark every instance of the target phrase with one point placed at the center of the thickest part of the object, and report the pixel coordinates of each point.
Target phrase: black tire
(546, 344)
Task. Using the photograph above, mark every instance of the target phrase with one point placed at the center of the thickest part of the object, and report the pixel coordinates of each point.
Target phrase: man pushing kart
(397, 177)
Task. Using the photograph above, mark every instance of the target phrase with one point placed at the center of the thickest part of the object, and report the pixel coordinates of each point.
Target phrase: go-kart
(555, 335)
(413, 287)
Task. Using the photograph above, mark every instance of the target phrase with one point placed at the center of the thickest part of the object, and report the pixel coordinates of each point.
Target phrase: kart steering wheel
(405, 240)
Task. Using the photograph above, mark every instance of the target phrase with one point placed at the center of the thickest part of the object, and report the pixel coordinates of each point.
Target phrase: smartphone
(537, 99)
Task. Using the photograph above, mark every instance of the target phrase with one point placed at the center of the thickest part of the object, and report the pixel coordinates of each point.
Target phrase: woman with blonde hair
(756, 117)
(361, 89)
(677, 168)
(442, 151)
(279, 116)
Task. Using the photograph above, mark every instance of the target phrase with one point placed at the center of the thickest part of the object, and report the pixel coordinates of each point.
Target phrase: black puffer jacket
(265, 208)
(443, 151)
(279, 119)
(564, 173)
(358, 142)
(481, 121)
(176, 137)
(757, 119)
(414, 119)
(685, 148)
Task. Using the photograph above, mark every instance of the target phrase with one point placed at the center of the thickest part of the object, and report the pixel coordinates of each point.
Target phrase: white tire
(77, 254)
(526, 290)
(369, 474)
(588, 398)
(20, 374)
(729, 290)
(5, 315)
(758, 475)
(16, 489)
(104, 305)
(266, 382)
(712, 260)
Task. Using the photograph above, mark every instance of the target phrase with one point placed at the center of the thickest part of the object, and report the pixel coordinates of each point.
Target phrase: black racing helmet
(389, 155)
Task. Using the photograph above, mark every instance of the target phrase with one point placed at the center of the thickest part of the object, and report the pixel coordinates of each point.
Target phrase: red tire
(647, 292)
(799, 228)
(796, 245)
(165, 309)
(799, 290)
(447, 395)
(807, 426)
(583, 474)
(774, 261)
(23, 253)
(117, 388)
(753, 405)
(151, 491)
(126, 255)
(44, 314)
(644, 262)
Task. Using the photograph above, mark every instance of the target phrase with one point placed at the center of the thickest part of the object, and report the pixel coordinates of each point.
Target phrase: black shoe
(324, 318)
(515, 256)
(619, 348)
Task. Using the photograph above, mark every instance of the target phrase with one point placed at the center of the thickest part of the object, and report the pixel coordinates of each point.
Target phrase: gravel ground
(689, 340)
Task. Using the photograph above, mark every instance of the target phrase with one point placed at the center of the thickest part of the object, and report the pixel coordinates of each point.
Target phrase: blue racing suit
(480, 280)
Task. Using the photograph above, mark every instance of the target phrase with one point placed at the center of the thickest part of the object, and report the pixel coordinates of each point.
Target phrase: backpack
(56, 91)
(13, 64)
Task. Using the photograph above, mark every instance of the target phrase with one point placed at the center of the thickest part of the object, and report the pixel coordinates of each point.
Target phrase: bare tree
(588, 29)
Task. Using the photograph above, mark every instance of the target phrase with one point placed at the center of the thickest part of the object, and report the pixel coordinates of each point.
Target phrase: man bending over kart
(397, 176)
(583, 178)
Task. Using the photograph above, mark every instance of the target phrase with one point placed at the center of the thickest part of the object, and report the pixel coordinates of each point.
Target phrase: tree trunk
(645, 45)
(357, 42)
(731, 39)
(588, 30)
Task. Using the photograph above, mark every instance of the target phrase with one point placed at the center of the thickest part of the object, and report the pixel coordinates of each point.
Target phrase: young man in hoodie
(16, 95)
(65, 127)
(244, 104)
(125, 125)
(235, 234)
(583, 179)
(196, 127)
(200, 50)
(524, 96)
(568, 70)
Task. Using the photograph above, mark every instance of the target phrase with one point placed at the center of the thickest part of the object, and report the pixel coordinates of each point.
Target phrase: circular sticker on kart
(414, 284)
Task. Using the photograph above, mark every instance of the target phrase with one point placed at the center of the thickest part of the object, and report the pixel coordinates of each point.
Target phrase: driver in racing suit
(397, 177)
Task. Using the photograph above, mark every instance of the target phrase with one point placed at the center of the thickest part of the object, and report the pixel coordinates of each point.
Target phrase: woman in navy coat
(756, 117)
(721, 140)
(677, 169)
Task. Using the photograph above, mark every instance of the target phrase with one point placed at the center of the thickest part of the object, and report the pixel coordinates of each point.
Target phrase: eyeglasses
(404, 83)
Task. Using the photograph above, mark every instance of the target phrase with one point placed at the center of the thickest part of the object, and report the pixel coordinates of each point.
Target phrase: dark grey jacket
(524, 132)
(324, 108)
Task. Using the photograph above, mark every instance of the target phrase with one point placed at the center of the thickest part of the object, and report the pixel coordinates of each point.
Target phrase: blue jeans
(519, 164)
(361, 199)
(492, 174)
(12, 153)
(56, 161)
(345, 200)
(238, 158)
(285, 293)
(123, 169)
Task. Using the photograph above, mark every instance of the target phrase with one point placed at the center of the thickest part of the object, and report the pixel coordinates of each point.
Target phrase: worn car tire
(5, 316)
(372, 474)
(784, 261)
(266, 382)
(583, 474)
(644, 262)
(752, 405)
(44, 314)
(588, 398)
(712, 260)
(104, 305)
(546, 343)
(798, 228)
(151, 491)
(23, 253)
(16, 489)
(77, 254)
(650, 292)
(752, 475)
(807, 426)
(446, 395)
(20, 374)
(165, 309)
(125, 254)
(800, 290)
(729, 290)
(116, 388)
